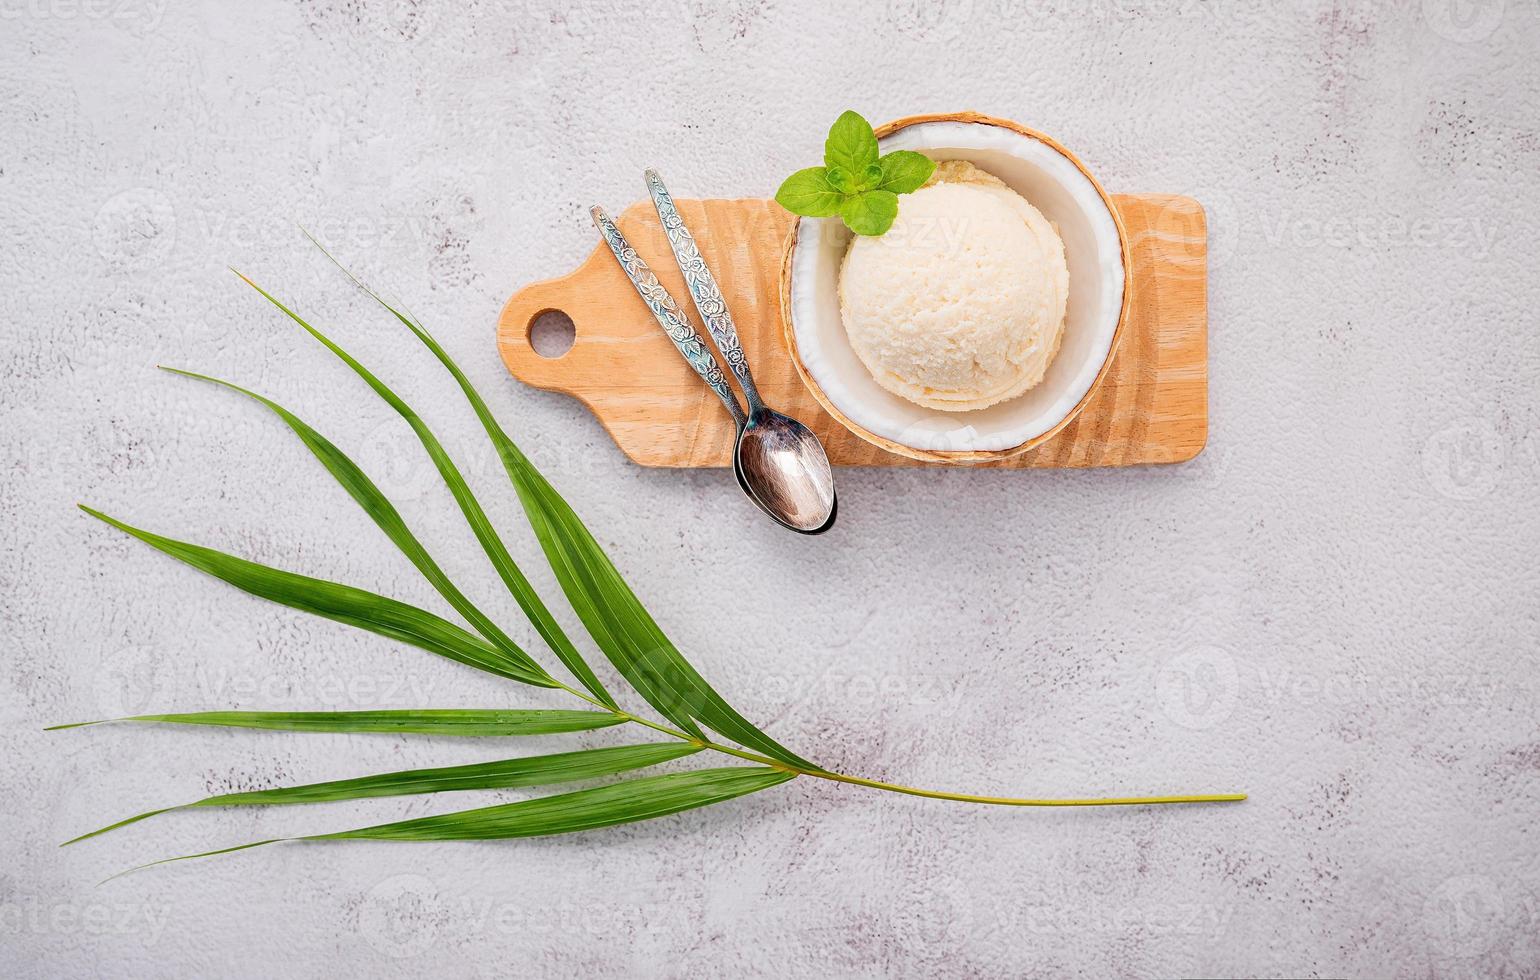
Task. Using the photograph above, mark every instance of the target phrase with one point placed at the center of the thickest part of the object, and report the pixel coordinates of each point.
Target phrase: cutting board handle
(550, 295)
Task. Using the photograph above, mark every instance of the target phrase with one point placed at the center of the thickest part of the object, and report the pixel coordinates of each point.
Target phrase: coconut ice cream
(960, 305)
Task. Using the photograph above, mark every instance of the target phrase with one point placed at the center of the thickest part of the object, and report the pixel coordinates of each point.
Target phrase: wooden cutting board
(1152, 407)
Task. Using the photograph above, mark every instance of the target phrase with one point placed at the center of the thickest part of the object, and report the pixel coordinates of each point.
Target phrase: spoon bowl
(783, 468)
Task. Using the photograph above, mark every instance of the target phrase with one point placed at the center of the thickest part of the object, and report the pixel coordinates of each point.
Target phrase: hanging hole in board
(551, 333)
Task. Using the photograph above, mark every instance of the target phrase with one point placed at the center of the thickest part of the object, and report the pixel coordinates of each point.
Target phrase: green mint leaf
(857, 182)
(840, 180)
(904, 171)
(851, 146)
(871, 213)
(807, 192)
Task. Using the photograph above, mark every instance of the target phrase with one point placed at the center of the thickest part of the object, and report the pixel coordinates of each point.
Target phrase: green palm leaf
(540, 770)
(587, 809)
(629, 637)
(379, 508)
(636, 644)
(611, 611)
(346, 604)
(513, 577)
(433, 721)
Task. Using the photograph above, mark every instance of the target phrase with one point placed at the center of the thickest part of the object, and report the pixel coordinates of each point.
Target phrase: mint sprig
(855, 182)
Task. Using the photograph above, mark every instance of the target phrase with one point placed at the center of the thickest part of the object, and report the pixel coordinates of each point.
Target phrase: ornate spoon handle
(667, 313)
(703, 289)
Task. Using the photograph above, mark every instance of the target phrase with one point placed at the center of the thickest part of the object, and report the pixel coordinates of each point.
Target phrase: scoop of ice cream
(961, 304)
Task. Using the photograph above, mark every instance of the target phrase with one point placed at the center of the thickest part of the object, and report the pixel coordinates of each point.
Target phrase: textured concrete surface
(1333, 608)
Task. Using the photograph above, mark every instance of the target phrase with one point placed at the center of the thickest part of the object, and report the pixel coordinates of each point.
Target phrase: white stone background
(1333, 608)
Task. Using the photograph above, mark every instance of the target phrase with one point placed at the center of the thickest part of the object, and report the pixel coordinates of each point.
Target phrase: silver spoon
(777, 460)
(672, 319)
